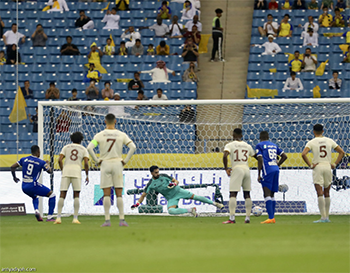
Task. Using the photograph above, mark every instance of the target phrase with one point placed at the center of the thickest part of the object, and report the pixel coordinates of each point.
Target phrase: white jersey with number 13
(239, 153)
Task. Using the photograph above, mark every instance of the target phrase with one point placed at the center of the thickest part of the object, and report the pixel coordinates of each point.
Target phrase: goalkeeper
(168, 186)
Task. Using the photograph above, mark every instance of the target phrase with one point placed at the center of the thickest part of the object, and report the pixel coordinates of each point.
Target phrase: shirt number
(74, 155)
(30, 169)
(113, 141)
(323, 151)
(245, 156)
(272, 154)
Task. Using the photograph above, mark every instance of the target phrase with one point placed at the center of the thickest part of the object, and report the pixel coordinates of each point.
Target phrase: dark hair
(296, 51)
(91, 64)
(293, 73)
(2, 52)
(14, 24)
(238, 131)
(110, 118)
(138, 40)
(74, 90)
(218, 11)
(92, 80)
(308, 48)
(34, 149)
(115, 9)
(107, 82)
(286, 15)
(39, 25)
(269, 15)
(164, 3)
(335, 71)
(160, 90)
(82, 11)
(77, 137)
(141, 92)
(264, 135)
(153, 168)
(52, 83)
(122, 43)
(25, 80)
(69, 37)
(108, 39)
(162, 43)
(325, 7)
(150, 45)
(136, 73)
(318, 127)
(336, 9)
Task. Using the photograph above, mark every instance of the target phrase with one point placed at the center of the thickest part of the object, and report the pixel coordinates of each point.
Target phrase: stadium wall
(299, 182)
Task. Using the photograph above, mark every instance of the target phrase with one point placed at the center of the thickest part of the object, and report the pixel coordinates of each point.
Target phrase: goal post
(187, 143)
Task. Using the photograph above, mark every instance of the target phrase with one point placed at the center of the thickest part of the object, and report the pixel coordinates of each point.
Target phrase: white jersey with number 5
(111, 143)
(74, 155)
(321, 147)
(239, 153)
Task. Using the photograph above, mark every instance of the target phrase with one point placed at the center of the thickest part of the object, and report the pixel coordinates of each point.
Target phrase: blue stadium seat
(120, 86)
(135, 5)
(253, 76)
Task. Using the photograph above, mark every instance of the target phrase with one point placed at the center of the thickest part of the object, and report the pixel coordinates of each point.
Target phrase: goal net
(186, 140)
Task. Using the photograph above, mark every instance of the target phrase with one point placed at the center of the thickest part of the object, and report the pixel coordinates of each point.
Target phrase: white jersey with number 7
(74, 155)
(321, 147)
(111, 143)
(239, 152)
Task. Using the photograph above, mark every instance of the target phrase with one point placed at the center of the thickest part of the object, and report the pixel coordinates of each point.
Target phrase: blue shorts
(181, 194)
(270, 181)
(35, 189)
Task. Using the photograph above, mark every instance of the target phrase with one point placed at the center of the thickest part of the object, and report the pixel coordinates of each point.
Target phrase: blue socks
(177, 211)
(273, 205)
(269, 207)
(36, 203)
(203, 199)
(52, 203)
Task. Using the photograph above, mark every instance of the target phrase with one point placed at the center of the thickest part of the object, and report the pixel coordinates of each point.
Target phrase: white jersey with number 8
(74, 155)
(321, 147)
(239, 153)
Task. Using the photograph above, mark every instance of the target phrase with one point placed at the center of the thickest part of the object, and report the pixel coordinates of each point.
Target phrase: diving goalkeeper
(168, 186)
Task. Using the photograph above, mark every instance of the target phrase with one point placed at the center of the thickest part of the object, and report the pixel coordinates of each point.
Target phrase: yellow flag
(344, 47)
(46, 8)
(107, 7)
(273, 70)
(203, 45)
(260, 92)
(111, 37)
(316, 91)
(21, 108)
(321, 68)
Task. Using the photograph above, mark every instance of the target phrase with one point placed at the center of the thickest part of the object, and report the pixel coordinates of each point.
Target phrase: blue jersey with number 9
(31, 168)
(269, 152)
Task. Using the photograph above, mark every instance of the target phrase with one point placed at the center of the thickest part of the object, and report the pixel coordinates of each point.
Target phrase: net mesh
(187, 142)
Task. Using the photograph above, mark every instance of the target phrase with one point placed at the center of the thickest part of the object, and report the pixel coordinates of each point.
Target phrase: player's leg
(120, 205)
(107, 206)
(232, 207)
(175, 210)
(76, 183)
(106, 184)
(60, 206)
(118, 182)
(42, 190)
(267, 183)
(28, 189)
(236, 180)
(275, 184)
(317, 176)
(326, 192)
(246, 185)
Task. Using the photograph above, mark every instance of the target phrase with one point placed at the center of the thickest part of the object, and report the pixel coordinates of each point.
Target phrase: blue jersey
(269, 152)
(31, 168)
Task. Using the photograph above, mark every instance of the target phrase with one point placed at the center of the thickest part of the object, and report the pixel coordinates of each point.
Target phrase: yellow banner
(22, 115)
(203, 45)
(259, 92)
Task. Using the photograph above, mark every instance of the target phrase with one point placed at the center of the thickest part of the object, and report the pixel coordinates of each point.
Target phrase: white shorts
(112, 174)
(240, 178)
(322, 175)
(66, 181)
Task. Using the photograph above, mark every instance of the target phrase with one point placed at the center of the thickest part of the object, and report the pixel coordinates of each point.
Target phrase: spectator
(122, 4)
(190, 24)
(327, 3)
(273, 5)
(285, 29)
(92, 92)
(164, 11)
(2, 26)
(84, 22)
(92, 74)
(293, 83)
(2, 57)
(196, 3)
(69, 48)
(160, 29)
(122, 50)
(194, 34)
(39, 37)
(217, 34)
(190, 52)
(313, 5)
(150, 50)
(94, 57)
(160, 72)
(52, 93)
(107, 92)
(12, 57)
(136, 83)
(27, 92)
(335, 82)
(63, 122)
(176, 29)
(299, 4)
(189, 11)
(260, 5)
(325, 19)
(163, 48)
(190, 74)
(57, 5)
(309, 62)
(286, 5)
(160, 95)
(111, 19)
(133, 35)
(338, 19)
(137, 49)
(187, 114)
(295, 64)
(117, 110)
(271, 47)
(347, 56)
(346, 34)
(341, 5)
(311, 38)
(34, 119)
(74, 96)
(141, 95)
(108, 48)
(310, 24)
(11, 37)
(269, 28)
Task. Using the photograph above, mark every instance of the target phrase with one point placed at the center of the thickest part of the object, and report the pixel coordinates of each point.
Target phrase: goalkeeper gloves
(135, 206)
(171, 185)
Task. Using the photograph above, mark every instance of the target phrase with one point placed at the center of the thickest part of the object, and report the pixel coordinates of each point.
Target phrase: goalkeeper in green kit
(168, 187)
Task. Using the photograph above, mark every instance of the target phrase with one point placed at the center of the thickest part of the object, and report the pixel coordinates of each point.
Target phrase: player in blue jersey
(31, 170)
(168, 187)
(268, 171)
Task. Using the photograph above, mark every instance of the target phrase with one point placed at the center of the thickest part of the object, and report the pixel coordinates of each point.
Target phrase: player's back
(111, 143)
(160, 185)
(31, 168)
(269, 151)
(321, 147)
(239, 153)
(74, 155)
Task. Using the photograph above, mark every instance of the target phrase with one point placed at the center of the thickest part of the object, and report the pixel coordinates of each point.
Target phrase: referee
(217, 36)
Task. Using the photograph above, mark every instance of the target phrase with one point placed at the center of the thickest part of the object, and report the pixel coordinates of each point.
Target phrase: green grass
(176, 244)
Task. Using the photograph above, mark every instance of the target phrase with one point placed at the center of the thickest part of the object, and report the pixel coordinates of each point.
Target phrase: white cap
(271, 36)
(116, 94)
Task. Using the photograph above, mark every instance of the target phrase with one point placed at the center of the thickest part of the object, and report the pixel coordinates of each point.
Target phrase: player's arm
(225, 161)
(173, 183)
(91, 148)
(341, 154)
(132, 149)
(60, 161)
(260, 165)
(86, 167)
(283, 157)
(13, 171)
(306, 159)
(47, 167)
(138, 203)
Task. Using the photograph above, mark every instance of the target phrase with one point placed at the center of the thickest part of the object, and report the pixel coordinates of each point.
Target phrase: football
(257, 211)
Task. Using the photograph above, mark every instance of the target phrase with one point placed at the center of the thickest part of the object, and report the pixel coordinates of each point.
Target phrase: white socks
(322, 207)
(76, 207)
(232, 206)
(248, 208)
(327, 201)
(107, 206)
(120, 205)
(59, 207)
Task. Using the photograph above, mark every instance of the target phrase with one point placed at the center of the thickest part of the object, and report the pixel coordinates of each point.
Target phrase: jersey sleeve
(147, 189)
(167, 176)
(44, 165)
(20, 162)
(63, 151)
(227, 148)
(334, 144)
(279, 151)
(308, 145)
(127, 140)
(258, 150)
(251, 151)
(95, 141)
(344, 34)
(86, 153)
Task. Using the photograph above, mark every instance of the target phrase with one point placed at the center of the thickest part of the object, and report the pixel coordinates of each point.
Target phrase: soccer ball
(257, 211)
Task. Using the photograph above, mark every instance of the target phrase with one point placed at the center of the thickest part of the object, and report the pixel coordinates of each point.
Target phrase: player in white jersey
(239, 152)
(322, 166)
(74, 154)
(111, 143)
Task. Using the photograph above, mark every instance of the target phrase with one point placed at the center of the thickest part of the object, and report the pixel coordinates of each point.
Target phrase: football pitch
(176, 244)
